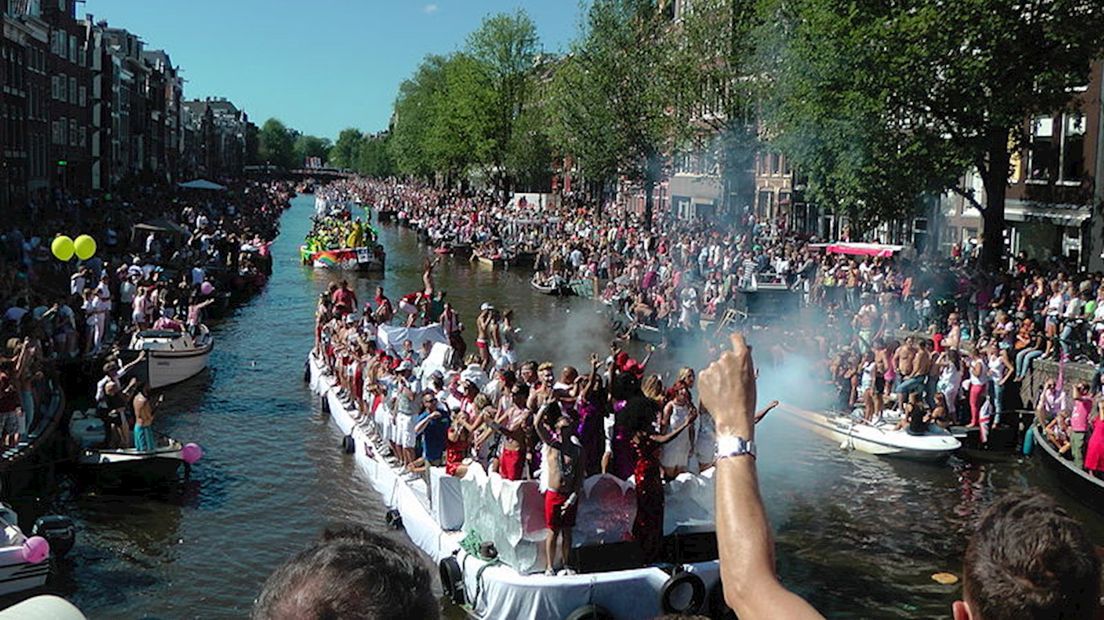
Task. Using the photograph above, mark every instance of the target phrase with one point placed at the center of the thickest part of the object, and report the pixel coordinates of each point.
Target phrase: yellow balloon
(85, 247)
(62, 247)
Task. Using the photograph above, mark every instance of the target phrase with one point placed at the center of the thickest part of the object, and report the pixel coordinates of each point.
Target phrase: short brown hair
(1028, 558)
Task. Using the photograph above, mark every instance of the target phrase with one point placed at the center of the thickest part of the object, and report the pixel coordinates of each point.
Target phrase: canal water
(858, 536)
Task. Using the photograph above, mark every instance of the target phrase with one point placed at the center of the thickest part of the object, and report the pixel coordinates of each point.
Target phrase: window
(73, 134)
(776, 163)
(72, 48)
(1043, 154)
(83, 96)
(83, 136)
(1073, 147)
(55, 132)
(72, 89)
(54, 87)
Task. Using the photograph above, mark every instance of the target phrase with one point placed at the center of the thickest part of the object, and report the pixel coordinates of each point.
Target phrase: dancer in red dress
(639, 415)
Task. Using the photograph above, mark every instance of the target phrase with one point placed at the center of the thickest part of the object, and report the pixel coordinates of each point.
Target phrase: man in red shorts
(563, 458)
(512, 425)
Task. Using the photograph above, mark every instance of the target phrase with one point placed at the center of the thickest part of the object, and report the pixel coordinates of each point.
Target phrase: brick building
(68, 154)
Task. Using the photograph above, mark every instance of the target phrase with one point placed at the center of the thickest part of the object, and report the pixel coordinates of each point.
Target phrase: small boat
(498, 261)
(582, 287)
(643, 332)
(552, 286)
(24, 561)
(442, 250)
(115, 467)
(1074, 480)
(172, 356)
(881, 438)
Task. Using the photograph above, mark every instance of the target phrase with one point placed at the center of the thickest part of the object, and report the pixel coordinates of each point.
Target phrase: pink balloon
(35, 550)
(206, 288)
(191, 453)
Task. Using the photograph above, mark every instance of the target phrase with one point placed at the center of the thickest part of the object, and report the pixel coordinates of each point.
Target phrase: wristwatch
(733, 445)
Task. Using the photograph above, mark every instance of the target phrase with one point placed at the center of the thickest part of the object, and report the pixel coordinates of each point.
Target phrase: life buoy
(589, 612)
(718, 608)
(348, 444)
(452, 579)
(671, 597)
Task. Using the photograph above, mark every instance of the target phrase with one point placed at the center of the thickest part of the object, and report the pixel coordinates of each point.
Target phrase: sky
(321, 65)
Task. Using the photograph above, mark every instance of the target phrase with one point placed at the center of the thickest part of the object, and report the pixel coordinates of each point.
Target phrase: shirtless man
(144, 440)
(512, 424)
(427, 275)
(954, 333)
(903, 360)
(484, 339)
(913, 365)
(564, 459)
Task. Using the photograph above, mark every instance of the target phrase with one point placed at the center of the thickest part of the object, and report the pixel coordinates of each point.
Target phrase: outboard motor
(59, 531)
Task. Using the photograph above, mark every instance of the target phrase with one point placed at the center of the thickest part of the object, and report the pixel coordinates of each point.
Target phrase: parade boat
(1076, 481)
(342, 244)
(442, 516)
(881, 438)
(115, 467)
(24, 561)
(172, 356)
(497, 260)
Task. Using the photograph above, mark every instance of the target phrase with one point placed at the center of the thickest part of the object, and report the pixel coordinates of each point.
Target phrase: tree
(277, 144)
(312, 146)
(506, 45)
(343, 155)
(374, 157)
(713, 97)
(414, 115)
(459, 137)
(620, 68)
(922, 90)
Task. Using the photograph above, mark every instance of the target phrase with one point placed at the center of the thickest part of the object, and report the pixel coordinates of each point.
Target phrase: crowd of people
(164, 256)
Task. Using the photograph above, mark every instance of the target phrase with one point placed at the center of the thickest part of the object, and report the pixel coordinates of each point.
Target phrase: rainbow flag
(325, 259)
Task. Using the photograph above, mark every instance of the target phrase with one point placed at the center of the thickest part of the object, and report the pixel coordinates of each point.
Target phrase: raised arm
(662, 439)
(542, 429)
(744, 536)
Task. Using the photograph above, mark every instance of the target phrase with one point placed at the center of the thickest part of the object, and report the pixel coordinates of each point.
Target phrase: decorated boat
(487, 534)
(112, 466)
(337, 243)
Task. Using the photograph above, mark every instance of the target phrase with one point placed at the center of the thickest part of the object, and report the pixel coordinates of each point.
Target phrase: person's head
(686, 376)
(546, 373)
(568, 375)
(350, 573)
(528, 372)
(1028, 558)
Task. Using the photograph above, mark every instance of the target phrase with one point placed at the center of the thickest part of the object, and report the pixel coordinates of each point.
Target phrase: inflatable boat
(443, 514)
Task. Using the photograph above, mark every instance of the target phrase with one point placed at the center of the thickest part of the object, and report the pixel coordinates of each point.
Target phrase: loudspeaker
(611, 556)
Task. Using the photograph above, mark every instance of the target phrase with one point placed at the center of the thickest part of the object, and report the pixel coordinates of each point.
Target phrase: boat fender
(452, 579)
(325, 405)
(306, 371)
(394, 519)
(718, 608)
(58, 530)
(589, 612)
(677, 582)
(348, 444)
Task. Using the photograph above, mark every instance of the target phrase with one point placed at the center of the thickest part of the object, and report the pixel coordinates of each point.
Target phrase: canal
(858, 536)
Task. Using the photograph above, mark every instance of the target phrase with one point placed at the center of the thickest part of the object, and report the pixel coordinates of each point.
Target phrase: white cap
(486, 306)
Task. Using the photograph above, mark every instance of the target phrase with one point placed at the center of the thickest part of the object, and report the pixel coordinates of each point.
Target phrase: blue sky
(319, 65)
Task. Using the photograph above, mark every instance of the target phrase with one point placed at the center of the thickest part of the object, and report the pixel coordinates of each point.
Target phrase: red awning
(864, 249)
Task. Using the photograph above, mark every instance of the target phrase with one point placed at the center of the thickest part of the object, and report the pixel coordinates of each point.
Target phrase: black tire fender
(348, 444)
(675, 583)
(452, 579)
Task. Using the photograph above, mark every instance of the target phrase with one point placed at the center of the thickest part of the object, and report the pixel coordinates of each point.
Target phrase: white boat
(496, 588)
(172, 356)
(881, 438)
(112, 466)
(17, 574)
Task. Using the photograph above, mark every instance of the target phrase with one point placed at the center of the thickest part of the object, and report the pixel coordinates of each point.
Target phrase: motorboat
(440, 513)
(101, 458)
(24, 561)
(881, 437)
(173, 356)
